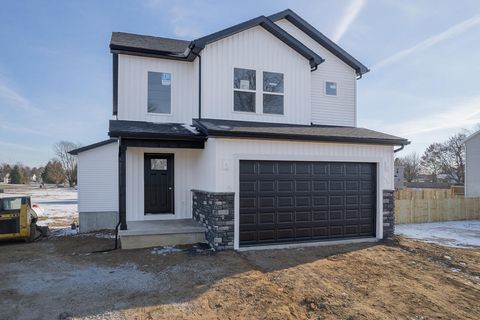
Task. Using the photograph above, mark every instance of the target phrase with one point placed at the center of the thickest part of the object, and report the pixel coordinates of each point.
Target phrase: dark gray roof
(92, 146)
(148, 44)
(175, 49)
(212, 127)
(316, 35)
(151, 130)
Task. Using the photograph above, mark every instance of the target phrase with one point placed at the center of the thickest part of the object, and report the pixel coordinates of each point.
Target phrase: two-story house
(244, 137)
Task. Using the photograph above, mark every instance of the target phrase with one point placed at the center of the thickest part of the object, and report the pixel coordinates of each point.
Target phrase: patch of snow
(165, 250)
(449, 233)
(55, 207)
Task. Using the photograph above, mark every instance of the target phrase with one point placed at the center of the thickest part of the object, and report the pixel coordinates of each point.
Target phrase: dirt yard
(60, 278)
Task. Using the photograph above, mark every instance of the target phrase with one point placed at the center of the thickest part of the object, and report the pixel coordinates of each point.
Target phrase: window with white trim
(244, 90)
(330, 88)
(272, 92)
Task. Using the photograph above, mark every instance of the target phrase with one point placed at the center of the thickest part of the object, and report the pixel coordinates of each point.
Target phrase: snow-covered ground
(448, 233)
(56, 207)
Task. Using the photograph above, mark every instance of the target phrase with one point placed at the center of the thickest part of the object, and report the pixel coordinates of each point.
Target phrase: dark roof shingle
(213, 127)
(134, 42)
(143, 129)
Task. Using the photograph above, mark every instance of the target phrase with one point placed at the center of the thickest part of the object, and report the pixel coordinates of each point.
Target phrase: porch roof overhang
(156, 135)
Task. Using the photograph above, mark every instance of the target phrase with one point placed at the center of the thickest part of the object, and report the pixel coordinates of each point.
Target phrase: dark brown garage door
(285, 201)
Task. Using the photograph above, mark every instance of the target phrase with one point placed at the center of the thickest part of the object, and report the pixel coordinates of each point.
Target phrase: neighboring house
(472, 165)
(5, 178)
(251, 131)
(399, 177)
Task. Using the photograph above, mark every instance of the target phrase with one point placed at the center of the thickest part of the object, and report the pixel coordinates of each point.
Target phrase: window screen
(159, 92)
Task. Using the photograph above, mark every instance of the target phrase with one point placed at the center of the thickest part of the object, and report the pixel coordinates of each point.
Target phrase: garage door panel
(285, 202)
(248, 236)
(303, 233)
(285, 234)
(248, 202)
(266, 186)
(266, 202)
(265, 168)
(248, 186)
(285, 186)
(266, 218)
(266, 235)
(301, 201)
(285, 168)
(248, 167)
(303, 186)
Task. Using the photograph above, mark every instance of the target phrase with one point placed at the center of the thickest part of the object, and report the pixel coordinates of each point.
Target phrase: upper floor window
(159, 92)
(272, 92)
(330, 88)
(244, 86)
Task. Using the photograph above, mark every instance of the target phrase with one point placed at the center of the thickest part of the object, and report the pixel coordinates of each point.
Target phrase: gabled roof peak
(323, 40)
(187, 50)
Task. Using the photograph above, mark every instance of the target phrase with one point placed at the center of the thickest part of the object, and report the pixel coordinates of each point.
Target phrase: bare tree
(453, 158)
(446, 158)
(411, 165)
(431, 161)
(68, 161)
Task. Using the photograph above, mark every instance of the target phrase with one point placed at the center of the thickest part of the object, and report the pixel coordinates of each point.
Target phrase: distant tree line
(57, 171)
(440, 162)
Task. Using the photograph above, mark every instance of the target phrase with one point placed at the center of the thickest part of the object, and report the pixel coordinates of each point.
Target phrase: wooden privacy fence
(431, 205)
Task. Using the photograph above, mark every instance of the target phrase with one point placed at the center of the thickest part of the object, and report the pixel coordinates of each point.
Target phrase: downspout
(199, 83)
(399, 149)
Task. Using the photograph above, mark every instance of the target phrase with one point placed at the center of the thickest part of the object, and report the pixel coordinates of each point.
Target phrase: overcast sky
(56, 78)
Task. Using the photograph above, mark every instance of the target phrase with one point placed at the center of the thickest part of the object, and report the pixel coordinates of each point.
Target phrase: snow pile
(448, 233)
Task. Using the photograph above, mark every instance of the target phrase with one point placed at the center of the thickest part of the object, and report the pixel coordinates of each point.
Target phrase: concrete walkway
(448, 233)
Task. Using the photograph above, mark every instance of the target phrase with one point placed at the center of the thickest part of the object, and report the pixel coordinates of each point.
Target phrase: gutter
(399, 149)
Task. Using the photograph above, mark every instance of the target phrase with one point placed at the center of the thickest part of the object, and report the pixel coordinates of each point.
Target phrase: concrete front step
(146, 234)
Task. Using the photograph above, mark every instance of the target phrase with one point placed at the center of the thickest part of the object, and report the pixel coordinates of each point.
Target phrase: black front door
(158, 183)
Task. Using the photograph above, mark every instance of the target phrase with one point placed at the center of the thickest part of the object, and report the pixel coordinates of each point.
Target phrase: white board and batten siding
(133, 89)
(337, 110)
(98, 179)
(472, 166)
(259, 50)
(185, 177)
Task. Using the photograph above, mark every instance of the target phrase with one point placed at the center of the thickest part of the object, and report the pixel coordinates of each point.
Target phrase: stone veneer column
(388, 213)
(215, 210)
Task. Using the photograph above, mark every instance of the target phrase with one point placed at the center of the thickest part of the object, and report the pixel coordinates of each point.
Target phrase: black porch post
(122, 185)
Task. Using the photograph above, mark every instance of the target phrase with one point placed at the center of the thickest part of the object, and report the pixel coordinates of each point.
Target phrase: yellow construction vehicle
(17, 219)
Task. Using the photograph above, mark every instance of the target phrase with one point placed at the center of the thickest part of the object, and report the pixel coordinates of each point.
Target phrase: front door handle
(169, 188)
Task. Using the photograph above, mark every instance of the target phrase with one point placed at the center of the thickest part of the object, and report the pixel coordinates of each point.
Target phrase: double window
(244, 91)
(159, 92)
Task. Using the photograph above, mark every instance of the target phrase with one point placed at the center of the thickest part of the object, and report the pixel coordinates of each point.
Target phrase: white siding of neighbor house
(328, 110)
(472, 167)
(259, 50)
(133, 89)
(98, 179)
(229, 152)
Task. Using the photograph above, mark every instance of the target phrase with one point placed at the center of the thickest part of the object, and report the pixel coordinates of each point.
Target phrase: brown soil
(397, 279)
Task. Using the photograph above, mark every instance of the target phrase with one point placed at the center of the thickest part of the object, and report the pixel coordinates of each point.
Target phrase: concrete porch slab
(145, 234)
